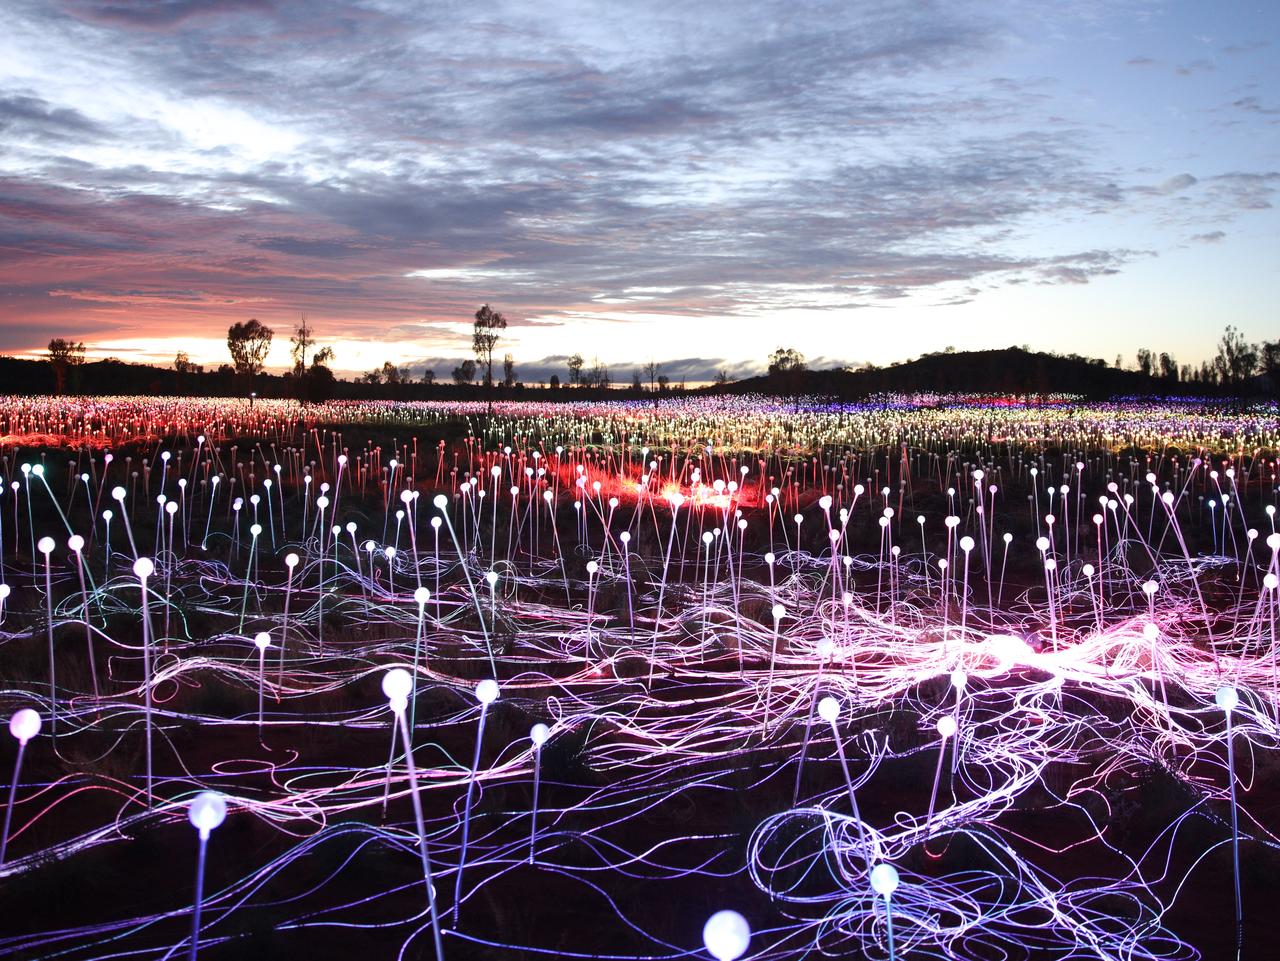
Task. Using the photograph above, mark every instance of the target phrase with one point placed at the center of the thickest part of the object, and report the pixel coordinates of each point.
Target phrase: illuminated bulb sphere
(38, 470)
(441, 501)
(707, 538)
(487, 691)
(1270, 582)
(538, 734)
(4, 591)
(829, 709)
(207, 810)
(322, 502)
(291, 560)
(1227, 697)
(769, 558)
(397, 684)
(255, 529)
(825, 647)
(920, 519)
(46, 545)
(117, 493)
(846, 598)
(884, 878)
(959, 679)
(825, 502)
(144, 567)
(779, 612)
(24, 725)
(726, 935)
(263, 640)
(1042, 543)
(625, 537)
(422, 595)
(947, 725)
(1167, 497)
(1150, 587)
(966, 544)
(1150, 631)
(75, 543)
(1273, 541)
(1008, 538)
(1088, 570)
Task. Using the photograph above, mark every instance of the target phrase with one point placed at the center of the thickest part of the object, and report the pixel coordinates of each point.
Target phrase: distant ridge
(1012, 370)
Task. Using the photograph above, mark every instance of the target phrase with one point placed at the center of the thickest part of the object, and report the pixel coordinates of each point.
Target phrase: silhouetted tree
(1145, 358)
(484, 338)
(313, 382)
(249, 343)
(786, 372)
(575, 370)
(63, 355)
(554, 383)
(428, 376)
(1168, 367)
(1237, 359)
(508, 371)
(652, 369)
(465, 372)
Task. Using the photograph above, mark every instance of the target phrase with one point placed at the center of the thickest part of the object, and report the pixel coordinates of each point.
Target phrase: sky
(691, 183)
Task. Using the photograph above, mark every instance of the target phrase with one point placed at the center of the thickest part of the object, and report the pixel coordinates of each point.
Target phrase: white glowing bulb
(24, 725)
(946, 725)
(422, 595)
(538, 734)
(207, 810)
(143, 567)
(46, 545)
(1227, 697)
(884, 877)
(487, 691)
(829, 709)
(263, 640)
(396, 685)
(726, 935)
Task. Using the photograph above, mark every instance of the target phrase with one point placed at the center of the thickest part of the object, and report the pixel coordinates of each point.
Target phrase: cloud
(386, 167)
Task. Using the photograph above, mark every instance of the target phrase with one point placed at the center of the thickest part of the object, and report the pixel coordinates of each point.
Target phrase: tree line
(1239, 366)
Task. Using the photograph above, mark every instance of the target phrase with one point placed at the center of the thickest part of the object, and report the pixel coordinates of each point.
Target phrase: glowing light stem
(143, 568)
(48, 599)
(13, 790)
(466, 812)
(662, 587)
(398, 709)
(198, 904)
(471, 587)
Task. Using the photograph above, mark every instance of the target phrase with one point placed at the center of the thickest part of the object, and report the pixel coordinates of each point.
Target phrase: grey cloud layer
(570, 159)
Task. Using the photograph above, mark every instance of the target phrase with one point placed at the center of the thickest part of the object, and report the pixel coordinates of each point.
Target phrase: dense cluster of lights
(880, 675)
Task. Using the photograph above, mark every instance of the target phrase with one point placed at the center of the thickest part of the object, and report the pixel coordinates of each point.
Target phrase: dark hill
(1009, 371)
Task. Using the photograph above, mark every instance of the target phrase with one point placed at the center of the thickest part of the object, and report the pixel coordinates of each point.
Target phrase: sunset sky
(696, 183)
